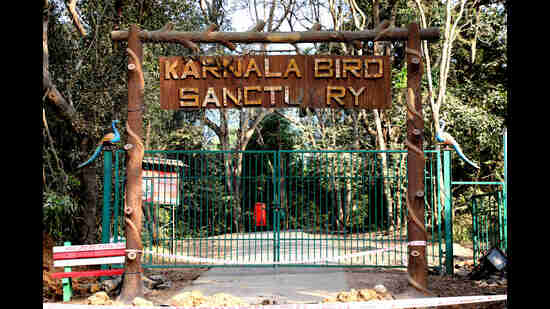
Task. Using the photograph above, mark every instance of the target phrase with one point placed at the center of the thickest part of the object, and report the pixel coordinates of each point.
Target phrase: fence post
(67, 282)
(449, 262)
(505, 189)
(439, 203)
(276, 206)
(475, 226)
(107, 180)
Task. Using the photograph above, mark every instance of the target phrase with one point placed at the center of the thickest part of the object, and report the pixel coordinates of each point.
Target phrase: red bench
(99, 254)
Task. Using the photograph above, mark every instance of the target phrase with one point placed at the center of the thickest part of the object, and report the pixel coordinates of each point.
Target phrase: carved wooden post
(417, 267)
(132, 286)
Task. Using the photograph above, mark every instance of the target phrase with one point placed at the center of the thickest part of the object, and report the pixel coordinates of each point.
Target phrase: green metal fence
(199, 208)
(489, 223)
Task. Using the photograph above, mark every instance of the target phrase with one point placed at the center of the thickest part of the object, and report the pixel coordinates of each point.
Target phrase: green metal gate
(323, 208)
(489, 223)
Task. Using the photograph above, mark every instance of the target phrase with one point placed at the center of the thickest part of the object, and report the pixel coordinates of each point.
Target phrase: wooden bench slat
(88, 254)
(108, 246)
(91, 261)
(89, 273)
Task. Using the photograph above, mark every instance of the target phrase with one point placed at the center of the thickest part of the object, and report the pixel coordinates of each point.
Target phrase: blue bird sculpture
(446, 139)
(109, 138)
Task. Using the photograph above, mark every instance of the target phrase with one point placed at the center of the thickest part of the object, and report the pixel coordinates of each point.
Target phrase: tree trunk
(235, 190)
(383, 157)
(379, 50)
(416, 231)
(78, 126)
(90, 193)
(132, 285)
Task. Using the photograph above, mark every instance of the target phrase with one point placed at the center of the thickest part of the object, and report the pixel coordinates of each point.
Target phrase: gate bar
(107, 181)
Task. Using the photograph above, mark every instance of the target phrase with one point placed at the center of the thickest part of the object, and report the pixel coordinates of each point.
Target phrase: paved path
(283, 284)
(294, 247)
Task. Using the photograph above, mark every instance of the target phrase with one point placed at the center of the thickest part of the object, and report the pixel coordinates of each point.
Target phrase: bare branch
(260, 25)
(50, 139)
(214, 127)
(71, 6)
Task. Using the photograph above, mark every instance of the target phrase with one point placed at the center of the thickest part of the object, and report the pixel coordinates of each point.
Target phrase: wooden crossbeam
(249, 37)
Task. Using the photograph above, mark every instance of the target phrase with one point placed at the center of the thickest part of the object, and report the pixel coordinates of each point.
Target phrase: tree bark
(132, 285)
(90, 193)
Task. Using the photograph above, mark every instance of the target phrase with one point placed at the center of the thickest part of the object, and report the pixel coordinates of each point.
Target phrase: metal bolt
(132, 255)
(415, 253)
(417, 132)
(131, 66)
(419, 193)
(415, 60)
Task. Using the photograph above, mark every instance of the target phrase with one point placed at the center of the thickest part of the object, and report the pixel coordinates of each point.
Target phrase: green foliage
(462, 228)
(59, 214)
(276, 133)
(91, 72)
(399, 78)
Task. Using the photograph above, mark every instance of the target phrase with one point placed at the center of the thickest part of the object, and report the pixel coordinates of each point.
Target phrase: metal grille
(489, 223)
(321, 207)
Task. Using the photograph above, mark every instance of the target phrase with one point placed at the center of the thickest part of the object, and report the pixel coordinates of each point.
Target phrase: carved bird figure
(109, 138)
(446, 139)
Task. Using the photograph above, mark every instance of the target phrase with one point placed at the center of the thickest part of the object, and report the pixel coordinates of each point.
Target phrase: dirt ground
(443, 286)
(358, 278)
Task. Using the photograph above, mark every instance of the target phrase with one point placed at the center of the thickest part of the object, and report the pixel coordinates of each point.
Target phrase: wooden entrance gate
(416, 231)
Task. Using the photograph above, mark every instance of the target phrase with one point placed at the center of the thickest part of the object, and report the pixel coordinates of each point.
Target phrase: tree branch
(214, 127)
(62, 106)
(71, 6)
(250, 131)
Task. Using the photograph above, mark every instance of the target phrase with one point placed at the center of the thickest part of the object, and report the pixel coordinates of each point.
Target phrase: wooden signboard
(275, 81)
